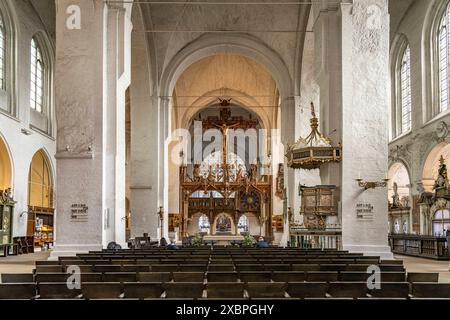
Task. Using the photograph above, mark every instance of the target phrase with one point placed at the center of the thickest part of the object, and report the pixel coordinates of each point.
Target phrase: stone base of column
(384, 252)
(71, 250)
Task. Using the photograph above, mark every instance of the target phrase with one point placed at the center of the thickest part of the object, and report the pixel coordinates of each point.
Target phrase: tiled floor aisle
(25, 263)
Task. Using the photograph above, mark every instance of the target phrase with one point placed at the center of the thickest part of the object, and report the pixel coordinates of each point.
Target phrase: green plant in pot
(197, 240)
(249, 241)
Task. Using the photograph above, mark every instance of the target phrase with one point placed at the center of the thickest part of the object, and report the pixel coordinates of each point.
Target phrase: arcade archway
(5, 166)
(40, 201)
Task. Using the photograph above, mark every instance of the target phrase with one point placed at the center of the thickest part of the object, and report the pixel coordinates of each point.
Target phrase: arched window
(8, 58)
(203, 223)
(40, 182)
(443, 39)
(37, 77)
(405, 90)
(2, 54)
(243, 224)
(441, 222)
(401, 86)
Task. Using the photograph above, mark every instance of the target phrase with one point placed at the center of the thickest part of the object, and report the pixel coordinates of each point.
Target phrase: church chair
(99, 262)
(307, 289)
(172, 261)
(193, 290)
(288, 276)
(225, 290)
(188, 276)
(332, 267)
(305, 267)
(43, 268)
(244, 261)
(17, 278)
(83, 268)
(357, 267)
(348, 289)
(221, 267)
(277, 267)
(430, 290)
(148, 261)
(123, 261)
(51, 277)
(249, 267)
(63, 258)
(142, 290)
(91, 277)
(154, 276)
(73, 263)
(193, 267)
(107, 268)
(17, 290)
(391, 290)
(255, 276)
(119, 277)
(222, 276)
(367, 260)
(135, 268)
(322, 276)
(47, 263)
(393, 276)
(422, 277)
(57, 290)
(164, 268)
(101, 290)
(392, 267)
(391, 262)
(266, 289)
(221, 261)
(349, 276)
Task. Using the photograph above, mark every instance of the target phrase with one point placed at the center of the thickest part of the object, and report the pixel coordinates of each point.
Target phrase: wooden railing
(419, 246)
(317, 239)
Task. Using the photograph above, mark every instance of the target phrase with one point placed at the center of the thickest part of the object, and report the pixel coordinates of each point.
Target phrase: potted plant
(249, 241)
(197, 240)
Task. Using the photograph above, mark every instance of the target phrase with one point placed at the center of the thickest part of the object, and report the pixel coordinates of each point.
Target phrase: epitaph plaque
(79, 212)
(364, 211)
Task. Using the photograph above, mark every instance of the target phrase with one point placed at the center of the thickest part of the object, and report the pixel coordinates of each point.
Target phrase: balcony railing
(420, 246)
(316, 239)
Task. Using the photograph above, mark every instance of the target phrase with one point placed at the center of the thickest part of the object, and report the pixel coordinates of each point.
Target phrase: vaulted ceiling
(172, 25)
(225, 76)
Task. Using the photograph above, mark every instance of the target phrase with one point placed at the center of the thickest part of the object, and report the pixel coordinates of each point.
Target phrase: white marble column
(365, 109)
(86, 108)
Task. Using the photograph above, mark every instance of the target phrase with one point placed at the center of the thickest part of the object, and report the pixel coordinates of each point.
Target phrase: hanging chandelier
(314, 150)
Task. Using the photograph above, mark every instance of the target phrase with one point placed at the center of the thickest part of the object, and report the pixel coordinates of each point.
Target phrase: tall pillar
(163, 161)
(144, 137)
(365, 109)
(288, 138)
(86, 94)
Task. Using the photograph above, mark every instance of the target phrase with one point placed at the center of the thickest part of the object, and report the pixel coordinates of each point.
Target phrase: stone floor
(413, 264)
(25, 263)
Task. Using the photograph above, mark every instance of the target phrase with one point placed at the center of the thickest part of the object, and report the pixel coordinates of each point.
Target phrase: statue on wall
(395, 198)
(280, 190)
(6, 197)
(196, 173)
(253, 172)
(441, 184)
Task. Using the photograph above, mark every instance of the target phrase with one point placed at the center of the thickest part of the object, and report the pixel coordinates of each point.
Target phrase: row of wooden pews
(221, 273)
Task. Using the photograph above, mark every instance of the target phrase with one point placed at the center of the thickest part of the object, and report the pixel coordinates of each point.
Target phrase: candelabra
(372, 184)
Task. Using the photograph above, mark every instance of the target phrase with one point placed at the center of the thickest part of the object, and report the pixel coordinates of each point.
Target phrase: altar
(223, 240)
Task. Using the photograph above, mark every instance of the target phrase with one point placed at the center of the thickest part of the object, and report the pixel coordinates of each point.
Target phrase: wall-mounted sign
(364, 210)
(79, 212)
